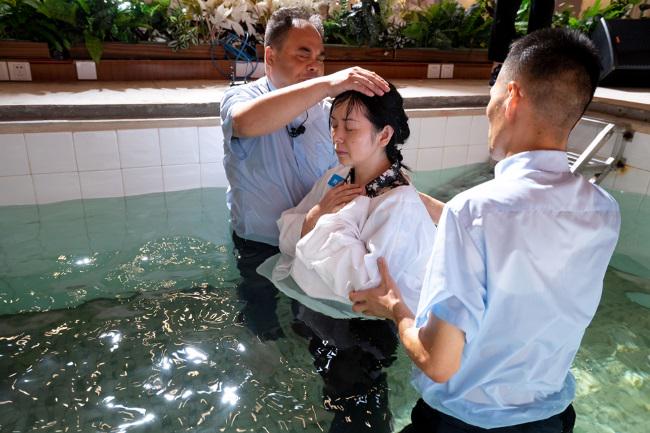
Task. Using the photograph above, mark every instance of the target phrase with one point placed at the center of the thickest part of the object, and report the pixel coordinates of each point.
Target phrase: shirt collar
(554, 161)
(389, 179)
(269, 85)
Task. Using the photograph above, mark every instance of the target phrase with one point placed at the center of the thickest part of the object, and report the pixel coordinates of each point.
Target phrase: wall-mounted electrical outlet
(433, 70)
(19, 71)
(4, 72)
(86, 70)
(447, 70)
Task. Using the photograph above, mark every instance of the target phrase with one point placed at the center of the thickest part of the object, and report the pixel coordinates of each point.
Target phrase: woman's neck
(369, 170)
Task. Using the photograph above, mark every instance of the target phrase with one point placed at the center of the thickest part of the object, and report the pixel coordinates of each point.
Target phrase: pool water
(122, 315)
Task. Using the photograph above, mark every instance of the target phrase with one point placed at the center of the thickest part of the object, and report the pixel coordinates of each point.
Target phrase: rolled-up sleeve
(455, 285)
(230, 100)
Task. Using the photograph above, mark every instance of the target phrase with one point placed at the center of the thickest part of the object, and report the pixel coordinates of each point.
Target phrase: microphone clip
(294, 132)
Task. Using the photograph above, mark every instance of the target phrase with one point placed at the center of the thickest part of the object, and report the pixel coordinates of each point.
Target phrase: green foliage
(62, 23)
(362, 25)
(182, 31)
(447, 25)
(585, 22)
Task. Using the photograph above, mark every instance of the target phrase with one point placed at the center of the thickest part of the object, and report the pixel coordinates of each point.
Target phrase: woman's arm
(436, 348)
(332, 202)
(342, 249)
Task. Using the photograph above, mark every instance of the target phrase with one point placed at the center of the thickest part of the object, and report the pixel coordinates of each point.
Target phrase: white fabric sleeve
(291, 220)
(454, 288)
(344, 247)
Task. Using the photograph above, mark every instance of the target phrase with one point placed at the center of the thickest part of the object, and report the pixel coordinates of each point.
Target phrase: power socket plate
(433, 70)
(447, 70)
(19, 71)
(86, 70)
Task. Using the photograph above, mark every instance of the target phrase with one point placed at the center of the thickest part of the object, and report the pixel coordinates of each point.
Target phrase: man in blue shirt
(277, 144)
(517, 269)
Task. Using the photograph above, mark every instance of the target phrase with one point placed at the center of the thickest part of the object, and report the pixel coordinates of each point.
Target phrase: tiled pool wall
(47, 167)
(43, 163)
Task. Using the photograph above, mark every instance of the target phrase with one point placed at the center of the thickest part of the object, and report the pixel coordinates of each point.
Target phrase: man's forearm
(435, 348)
(408, 334)
(276, 109)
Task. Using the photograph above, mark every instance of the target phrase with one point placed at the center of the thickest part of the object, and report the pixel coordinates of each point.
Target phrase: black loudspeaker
(624, 47)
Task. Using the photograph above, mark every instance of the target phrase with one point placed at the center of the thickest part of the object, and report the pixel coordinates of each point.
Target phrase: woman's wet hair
(387, 109)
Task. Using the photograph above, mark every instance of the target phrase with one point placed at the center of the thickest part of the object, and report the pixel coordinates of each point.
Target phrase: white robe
(340, 254)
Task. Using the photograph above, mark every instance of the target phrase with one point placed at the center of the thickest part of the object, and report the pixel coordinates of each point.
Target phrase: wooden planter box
(153, 51)
(156, 61)
(431, 55)
(146, 50)
(10, 49)
(344, 52)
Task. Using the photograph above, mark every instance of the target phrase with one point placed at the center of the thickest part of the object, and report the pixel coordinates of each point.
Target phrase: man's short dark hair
(283, 20)
(561, 70)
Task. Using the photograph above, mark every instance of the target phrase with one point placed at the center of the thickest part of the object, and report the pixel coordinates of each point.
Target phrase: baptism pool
(122, 315)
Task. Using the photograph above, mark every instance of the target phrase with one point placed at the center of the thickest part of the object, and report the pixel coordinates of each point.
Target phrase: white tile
(632, 180)
(637, 152)
(458, 130)
(584, 133)
(50, 152)
(13, 155)
(15, 190)
(96, 184)
(142, 180)
(96, 150)
(609, 180)
(410, 158)
(138, 148)
(454, 156)
(55, 187)
(210, 144)
(415, 124)
(432, 132)
(213, 175)
(179, 146)
(478, 153)
(479, 131)
(180, 177)
(429, 159)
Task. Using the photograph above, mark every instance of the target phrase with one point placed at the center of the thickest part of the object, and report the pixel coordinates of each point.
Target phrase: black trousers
(259, 295)
(350, 355)
(424, 418)
(503, 27)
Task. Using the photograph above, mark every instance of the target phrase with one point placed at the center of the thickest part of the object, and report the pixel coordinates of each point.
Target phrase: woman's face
(355, 139)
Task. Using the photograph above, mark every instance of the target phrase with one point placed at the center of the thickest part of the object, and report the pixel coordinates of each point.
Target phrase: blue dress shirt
(271, 173)
(518, 266)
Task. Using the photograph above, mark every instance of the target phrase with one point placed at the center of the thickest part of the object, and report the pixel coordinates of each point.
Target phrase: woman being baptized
(361, 210)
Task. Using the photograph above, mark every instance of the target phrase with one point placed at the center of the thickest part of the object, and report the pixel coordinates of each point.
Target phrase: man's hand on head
(358, 79)
(379, 301)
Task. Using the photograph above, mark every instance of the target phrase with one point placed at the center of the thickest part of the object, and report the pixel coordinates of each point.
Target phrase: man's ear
(385, 135)
(513, 99)
(269, 56)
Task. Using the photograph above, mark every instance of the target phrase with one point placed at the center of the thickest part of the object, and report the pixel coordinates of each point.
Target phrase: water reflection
(172, 359)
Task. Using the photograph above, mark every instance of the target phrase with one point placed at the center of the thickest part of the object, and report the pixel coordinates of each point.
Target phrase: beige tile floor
(205, 95)
(137, 92)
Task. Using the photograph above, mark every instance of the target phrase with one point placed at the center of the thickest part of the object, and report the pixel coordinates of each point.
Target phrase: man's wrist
(399, 311)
